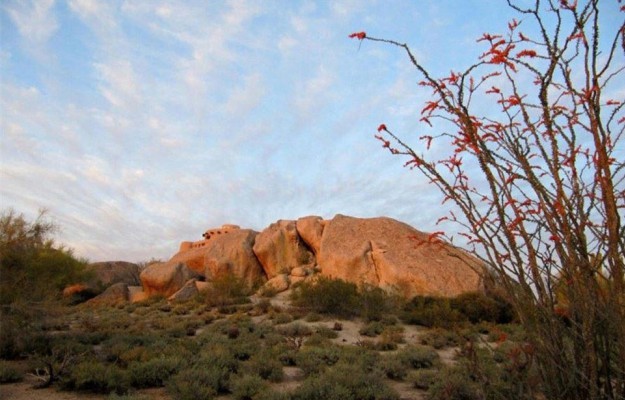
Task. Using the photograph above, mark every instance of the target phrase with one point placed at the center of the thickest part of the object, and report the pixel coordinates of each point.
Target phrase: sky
(139, 124)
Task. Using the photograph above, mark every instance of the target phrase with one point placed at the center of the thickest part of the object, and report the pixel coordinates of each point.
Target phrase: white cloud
(119, 84)
(35, 19)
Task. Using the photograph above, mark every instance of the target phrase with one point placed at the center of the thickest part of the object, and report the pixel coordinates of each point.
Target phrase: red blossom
(523, 37)
(358, 35)
(613, 103)
(428, 139)
(493, 90)
(526, 53)
(488, 37)
(382, 127)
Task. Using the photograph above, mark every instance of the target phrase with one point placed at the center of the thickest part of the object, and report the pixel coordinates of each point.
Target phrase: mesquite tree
(538, 180)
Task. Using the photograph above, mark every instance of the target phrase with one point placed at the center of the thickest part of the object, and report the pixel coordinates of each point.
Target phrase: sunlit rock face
(392, 255)
(381, 252)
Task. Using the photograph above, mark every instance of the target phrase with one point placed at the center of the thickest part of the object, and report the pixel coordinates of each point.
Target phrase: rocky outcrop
(117, 293)
(279, 249)
(381, 252)
(392, 255)
(166, 278)
(310, 229)
(233, 254)
(186, 293)
(107, 273)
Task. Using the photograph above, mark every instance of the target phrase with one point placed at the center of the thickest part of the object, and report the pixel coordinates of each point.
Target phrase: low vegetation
(222, 344)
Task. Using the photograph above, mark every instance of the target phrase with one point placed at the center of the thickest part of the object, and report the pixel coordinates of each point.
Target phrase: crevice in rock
(375, 264)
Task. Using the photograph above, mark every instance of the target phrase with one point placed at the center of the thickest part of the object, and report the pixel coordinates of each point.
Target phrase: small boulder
(300, 271)
(165, 278)
(186, 293)
(113, 295)
(278, 283)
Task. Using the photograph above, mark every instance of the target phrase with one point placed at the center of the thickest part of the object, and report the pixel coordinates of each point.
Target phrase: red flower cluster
(358, 35)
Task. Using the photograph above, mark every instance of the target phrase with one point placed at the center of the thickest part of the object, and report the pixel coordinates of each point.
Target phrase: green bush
(375, 304)
(345, 382)
(192, 384)
(29, 255)
(265, 365)
(313, 360)
(418, 356)
(431, 312)
(423, 378)
(92, 376)
(372, 329)
(394, 368)
(441, 338)
(326, 332)
(226, 290)
(153, 373)
(248, 387)
(453, 384)
(328, 296)
(478, 307)
(8, 373)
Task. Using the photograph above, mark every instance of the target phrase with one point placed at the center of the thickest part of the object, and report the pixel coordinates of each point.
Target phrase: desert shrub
(313, 317)
(29, 255)
(294, 329)
(375, 303)
(312, 359)
(326, 332)
(265, 365)
(134, 396)
(423, 378)
(394, 368)
(8, 373)
(441, 338)
(10, 346)
(418, 356)
(393, 334)
(115, 396)
(153, 373)
(327, 296)
(478, 307)
(372, 329)
(282, 318)
(227, 289)
(345, 382)
(453, 384)
(192, 384)
(92, 376)
(248, 387)
(431, 312)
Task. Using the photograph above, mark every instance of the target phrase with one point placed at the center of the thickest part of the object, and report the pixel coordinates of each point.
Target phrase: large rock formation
(390, 254)
(229, 252)
(108, 273)
(233, 254)
(279, 249)
(166, 278)
(376, 251)
(310, 229)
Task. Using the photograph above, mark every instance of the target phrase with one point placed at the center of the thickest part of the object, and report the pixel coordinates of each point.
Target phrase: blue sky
(141, 123)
